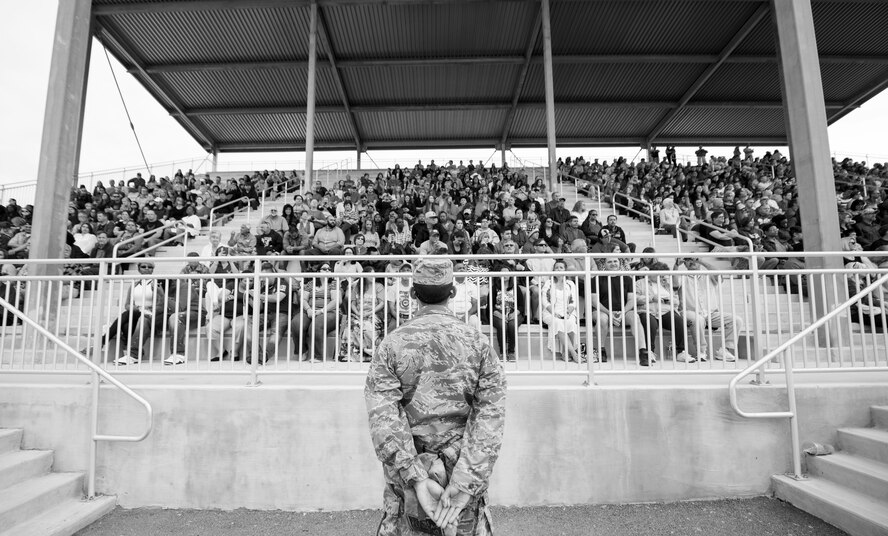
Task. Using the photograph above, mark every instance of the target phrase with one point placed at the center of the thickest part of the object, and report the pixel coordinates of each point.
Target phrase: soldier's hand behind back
(428, 493)
(458, 501)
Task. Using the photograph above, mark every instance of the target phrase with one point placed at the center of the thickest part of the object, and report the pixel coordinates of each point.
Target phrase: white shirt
(461, 303)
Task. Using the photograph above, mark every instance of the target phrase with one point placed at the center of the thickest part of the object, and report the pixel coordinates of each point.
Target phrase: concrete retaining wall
(298, 448)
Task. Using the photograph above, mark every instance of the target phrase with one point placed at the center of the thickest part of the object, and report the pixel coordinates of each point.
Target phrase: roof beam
(585, 59)
(208, 5)
(766, 105)
(735, 41)
(522, 75)
(626, 141)
(855, 101)
(161, 92)
(327, 45)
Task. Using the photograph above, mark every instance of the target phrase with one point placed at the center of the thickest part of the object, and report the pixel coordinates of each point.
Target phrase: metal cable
(125, 109)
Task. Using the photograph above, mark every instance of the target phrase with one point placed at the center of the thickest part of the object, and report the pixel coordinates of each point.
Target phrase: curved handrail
(269, 188)
(788, 368)
(143, 235)
(649, 215)
(233, 201)
(714, 227)
(592, 185)
(149, 411)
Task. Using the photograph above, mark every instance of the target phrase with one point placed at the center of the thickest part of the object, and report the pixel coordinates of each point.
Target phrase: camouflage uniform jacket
(434, 386)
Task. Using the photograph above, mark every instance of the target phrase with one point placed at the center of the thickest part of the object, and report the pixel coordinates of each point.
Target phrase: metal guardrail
(96, 372)
(792, 414)
(592, 186)
(233, 201)
(649, 215)
(74, 317)
(141, 236)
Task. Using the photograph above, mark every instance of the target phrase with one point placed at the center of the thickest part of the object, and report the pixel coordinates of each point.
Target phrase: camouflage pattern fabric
(435, 391)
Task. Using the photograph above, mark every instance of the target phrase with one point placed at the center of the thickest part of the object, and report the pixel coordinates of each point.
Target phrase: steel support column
(806, 126)
(215, 160)
(359, 158)
(550, 93)
(310, 102)
(62, 130)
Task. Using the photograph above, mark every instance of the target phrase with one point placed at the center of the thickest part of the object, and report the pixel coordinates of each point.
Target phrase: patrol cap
(433, 272)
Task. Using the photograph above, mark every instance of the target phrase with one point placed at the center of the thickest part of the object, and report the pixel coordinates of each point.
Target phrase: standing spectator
(701, 155)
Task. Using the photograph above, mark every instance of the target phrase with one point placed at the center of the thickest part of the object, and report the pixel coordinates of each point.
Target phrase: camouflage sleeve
(389, 429)
(484, 429)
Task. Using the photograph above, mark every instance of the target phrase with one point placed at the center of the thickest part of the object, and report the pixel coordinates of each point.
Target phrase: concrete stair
(848, 489)
(37, 502)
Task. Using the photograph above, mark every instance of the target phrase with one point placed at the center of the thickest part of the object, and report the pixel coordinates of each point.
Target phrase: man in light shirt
(464, 303)
(701, 296)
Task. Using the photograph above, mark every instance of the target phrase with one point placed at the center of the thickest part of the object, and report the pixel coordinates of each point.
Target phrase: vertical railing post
(756, 320)
(93, 433)
(96, 343)
(590, 344)
(254, 326)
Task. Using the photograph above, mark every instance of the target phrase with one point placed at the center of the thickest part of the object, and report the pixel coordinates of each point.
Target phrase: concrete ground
(759, 516)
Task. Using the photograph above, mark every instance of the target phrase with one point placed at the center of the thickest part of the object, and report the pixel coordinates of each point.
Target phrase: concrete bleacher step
(66, 518)
(10, 439)
(855, 472)
(880, 416)
(849, 488)
(871, 443)
(854, 512)
(36, 502)
(20, 465)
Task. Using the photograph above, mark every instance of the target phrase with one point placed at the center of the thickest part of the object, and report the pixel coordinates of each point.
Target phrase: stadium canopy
(400, 74)
(273, 75)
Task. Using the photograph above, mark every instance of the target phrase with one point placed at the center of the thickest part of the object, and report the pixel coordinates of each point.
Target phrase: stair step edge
(65, 519)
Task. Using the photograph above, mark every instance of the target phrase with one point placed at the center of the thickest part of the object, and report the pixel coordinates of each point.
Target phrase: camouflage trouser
(473, 521)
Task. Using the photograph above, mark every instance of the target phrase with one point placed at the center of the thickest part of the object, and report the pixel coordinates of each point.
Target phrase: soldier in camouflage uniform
(435, 396)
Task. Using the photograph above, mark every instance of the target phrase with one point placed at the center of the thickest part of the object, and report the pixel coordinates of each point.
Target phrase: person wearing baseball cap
(456, 407)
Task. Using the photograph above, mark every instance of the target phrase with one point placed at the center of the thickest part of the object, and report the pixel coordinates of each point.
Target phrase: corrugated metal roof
(427, 29)
(419, 73)
(623, 81)
(432, 84)
(225, 89)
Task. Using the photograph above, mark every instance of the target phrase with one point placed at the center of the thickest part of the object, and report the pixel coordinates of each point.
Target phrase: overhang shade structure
(401, 74)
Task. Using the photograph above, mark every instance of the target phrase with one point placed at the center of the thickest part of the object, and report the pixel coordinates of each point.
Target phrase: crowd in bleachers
(461, 210)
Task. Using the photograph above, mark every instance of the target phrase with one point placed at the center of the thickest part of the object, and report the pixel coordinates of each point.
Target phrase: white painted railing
(861, 298)
(81, 311)
(9, 311)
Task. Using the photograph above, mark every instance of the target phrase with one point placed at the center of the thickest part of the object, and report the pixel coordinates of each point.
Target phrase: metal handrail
(592, 185)
(650, 215)
(214, 209)
(97, 371)
(269, 188)
(716, 228)
(143, 235)
(792, 414)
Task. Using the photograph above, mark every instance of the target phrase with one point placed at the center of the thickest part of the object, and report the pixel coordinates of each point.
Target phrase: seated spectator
(320, 299)
(348, 266)
(210, 249)
(617, 232)
(507, 317)
(276, 222)
(19, 245)
(188, 310)
(560, 312)
(670, 218)
(243, 244)
(361, 329)
(268, 241)
(143, 317)
(328, 240)
(270, 303)
(85, 239)
(465, 301)
(613, 309)
(701, 298)
(400, 303)
(653, 295)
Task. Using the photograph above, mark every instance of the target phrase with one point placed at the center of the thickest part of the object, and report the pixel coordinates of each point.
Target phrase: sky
(26, 35)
